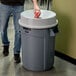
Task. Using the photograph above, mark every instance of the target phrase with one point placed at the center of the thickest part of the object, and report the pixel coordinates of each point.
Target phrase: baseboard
(65, 57)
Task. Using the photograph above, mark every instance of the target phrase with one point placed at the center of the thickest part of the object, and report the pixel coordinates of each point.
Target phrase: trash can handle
(27, 30)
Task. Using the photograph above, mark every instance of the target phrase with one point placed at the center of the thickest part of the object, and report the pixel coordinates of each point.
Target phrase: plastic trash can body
(38, 40)
(37, 49)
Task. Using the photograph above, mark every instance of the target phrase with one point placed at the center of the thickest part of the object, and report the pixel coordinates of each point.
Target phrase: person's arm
(36, 8)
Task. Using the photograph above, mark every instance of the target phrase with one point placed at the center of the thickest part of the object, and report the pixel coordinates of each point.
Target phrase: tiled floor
(9, 68)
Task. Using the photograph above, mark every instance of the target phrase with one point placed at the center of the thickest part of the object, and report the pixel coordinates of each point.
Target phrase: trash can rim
(37, 27)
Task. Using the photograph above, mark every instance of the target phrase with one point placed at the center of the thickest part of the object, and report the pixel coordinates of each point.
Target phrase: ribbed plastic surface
(47, 19)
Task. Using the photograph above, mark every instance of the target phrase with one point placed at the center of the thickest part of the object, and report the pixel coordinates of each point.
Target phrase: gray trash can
(37, 42)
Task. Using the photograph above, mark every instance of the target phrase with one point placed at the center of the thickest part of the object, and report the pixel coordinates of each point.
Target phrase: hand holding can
(37, 14)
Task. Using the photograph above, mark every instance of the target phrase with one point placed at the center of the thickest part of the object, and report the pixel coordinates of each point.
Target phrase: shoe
(5, 50)
(17, 58)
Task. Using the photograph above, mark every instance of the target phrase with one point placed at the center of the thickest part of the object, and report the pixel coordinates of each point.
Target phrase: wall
(66, 15)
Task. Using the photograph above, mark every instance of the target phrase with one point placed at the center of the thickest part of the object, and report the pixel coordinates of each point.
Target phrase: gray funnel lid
(47, 19)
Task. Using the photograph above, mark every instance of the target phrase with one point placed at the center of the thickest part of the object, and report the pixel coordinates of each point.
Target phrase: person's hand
(37, 12)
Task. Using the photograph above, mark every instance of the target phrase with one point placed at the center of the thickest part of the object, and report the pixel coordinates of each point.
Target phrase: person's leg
(4, 18)
(17, 42)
